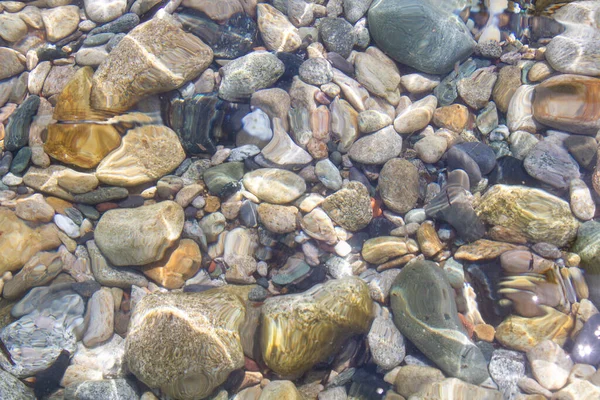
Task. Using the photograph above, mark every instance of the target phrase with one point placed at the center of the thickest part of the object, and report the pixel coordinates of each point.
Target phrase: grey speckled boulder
(419, 34)
(425, 312)
(245, 75)
(117, 389)
(13, 389)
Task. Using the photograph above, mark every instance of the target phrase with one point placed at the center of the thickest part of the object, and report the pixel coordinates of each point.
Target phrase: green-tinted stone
(21, 160)
(587, 246)
(224, 177)
(17, 129)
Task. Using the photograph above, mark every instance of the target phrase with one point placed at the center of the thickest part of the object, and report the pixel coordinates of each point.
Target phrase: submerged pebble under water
(342, 199)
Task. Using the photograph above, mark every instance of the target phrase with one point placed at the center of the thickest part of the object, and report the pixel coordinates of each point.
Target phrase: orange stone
(83, 145)
(177, 266)
(212, 204)
(454, 117)
(74, 100)
(484, 332)
(59, 205)
(570, 103)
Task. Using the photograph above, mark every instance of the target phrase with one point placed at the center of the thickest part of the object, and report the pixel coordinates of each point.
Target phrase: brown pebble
(502, 234)
(212, 204)
(106, 206)
(484, 332)
(59, 205)
(395, 262)
(467, 324)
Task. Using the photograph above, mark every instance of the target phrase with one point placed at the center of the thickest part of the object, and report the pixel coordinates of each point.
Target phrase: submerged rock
(431, 322)
(302, 329)
(187, 344)
(420, 34)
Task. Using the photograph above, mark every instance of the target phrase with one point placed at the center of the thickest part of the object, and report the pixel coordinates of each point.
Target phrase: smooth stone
(431, 148)
(378, 74)
(82, 145)
(586, 346)
(77, 182)
(275, 102)
(238, 253)
(20, 242)
(318, 225)
(280, 390)
(551, 163)
(399, 185)
(38, 271)
(178, 265)
(418, 83)
(509, 80)
(521, 143)
(294, 270)
(476, 90)
(165, 65)
(416, 116)
(452, 388)
(34, 208)
(46, 180)
(13, 63)
(328, 174)
(17, 129)
(583, 149)
(579, 389)
(418, 34)
(13, 389)
(224, 177)
(506, 368)
(282, 151)
(98, 40)
(350, 207)
(102, 11)
(60, 22)
(248, 74)
(278, 219)
(377, 148)
(381, 249)
(386, 343)
(454, 117)
(256, 129)
(538, 215)
(336, 34)
(575, 51)
(220, 11)
(344, 123)
(523, 334)
(58, 77)
(145, 154)
(109, 388)
(139, 236)
(276, 30)
(101, 195)
(587, 246)
(520, 110)
(91, 56)
(565, 102)
(582, 203)
(204, 325)
(371, 121)
(413, 379)
(101, 311)
(277, 186)
(107, 275)
(12, 28)
(67, 225)
(432, 324)
(550, 365)
(21, 160)
(338, 309)
(316, 71)
(124, 23)
(459, 158)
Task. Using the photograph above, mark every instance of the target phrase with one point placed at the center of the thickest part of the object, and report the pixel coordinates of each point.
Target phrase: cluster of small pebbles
(299, 199)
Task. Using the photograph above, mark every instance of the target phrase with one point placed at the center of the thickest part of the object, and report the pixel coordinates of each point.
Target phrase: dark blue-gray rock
(481, 153)
(337, 35)
(198, 121)
(339, 62)
(17, 129)
(21, 160)
(224, 178)
(458, 158)
(97, 40)
(551, 163)
(230, 40)
(49, 379)
(506, 368)
(248, 214)
(101, 195)
(113, 389)
(431, 321)
(583, 149)
(420, 34)
(124, 23)
(13, 389)
(587, 344)
(5, 162)
(510, 171)
(114, 41)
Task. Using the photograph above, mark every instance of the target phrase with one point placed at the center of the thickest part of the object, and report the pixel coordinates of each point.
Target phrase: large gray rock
(13, 389)
(420, 34)
(431, 321)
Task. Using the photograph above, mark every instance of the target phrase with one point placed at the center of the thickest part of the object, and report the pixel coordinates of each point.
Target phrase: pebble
(378, 74)
(275, 186)
(276, 30)
(67, 225)
(337, 36)
(476, 90)
(412, 379)
(350, 207)
(507, 368)
(377, 148)
(415, 116)
(104, 10)
(60, 22)
(101, 314)
(386, 343)
(582, 204)
(431, 148)
(418, 83)
(551, 164)
(316, 71)
(276, 218)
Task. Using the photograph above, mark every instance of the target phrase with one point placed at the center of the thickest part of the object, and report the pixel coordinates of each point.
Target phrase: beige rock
(178, 265)
(378, 74)
(34, 208)
(275, 102)
(353, 91)
(146, 154)
(550, 364)
(139, 236)
(77, 182)
(540, 71)
(12, 28)
(577, 390)
(384, 248)
(280, 390)
(344, 123)
(104, 10)
(46, 180)
(37, 77)
(509, 80)
(140, 65)
(276, 30)
(452, 388)
(13, 63)
(19, 242)
(319, 226)
(276, 218)
(418, 83)
(519, 116)
(273, 185)
(416, 116)
(102, 313)
(60, 22)
(38, 271)
(412, 379)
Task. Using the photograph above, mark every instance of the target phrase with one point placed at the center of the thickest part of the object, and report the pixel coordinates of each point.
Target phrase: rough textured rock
(277, 31)
(299, 330)
(139, 236)
(146, 154)
(420, 34)
(187, 344)
(350, 207)
(432, 322)
(140, 65)
(377, 148)
(178, 265)
(399, 185)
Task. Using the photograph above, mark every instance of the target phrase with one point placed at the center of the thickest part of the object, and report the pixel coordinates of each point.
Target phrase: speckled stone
(350, 207)
(274, 185)
(399, 185)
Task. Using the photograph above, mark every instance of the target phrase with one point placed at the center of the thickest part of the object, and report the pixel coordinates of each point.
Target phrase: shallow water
(324, 199)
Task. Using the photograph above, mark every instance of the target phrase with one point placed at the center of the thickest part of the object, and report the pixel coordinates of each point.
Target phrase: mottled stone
(432, 323)
(538, 215)
(431, 148)
(140, 65)
(520, 110)
(60, 21)
(273, 185)
(108, 275)
(319, 226)
(277, 31)
(13, 389)
(102, 312)
(293, 326)
(278, 219)
(378, 74)
(223, 178)
(146, 153)
(109, 388)
(476, 89)
(17, 129)
(245, 75)
(454, 117)
(386, 343)
(38, 271)
(509, 80)
(567, 102)
(506, 368)
(582, 203)
(178, 265)
(550, 364)
(377, 148)
(139, 236)
(419, 34)
(399, 185)
(337, 36)
(350, 207)
(187, 344)
(416, 116)
(551, 164)
(453, 388)
(34, 208)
